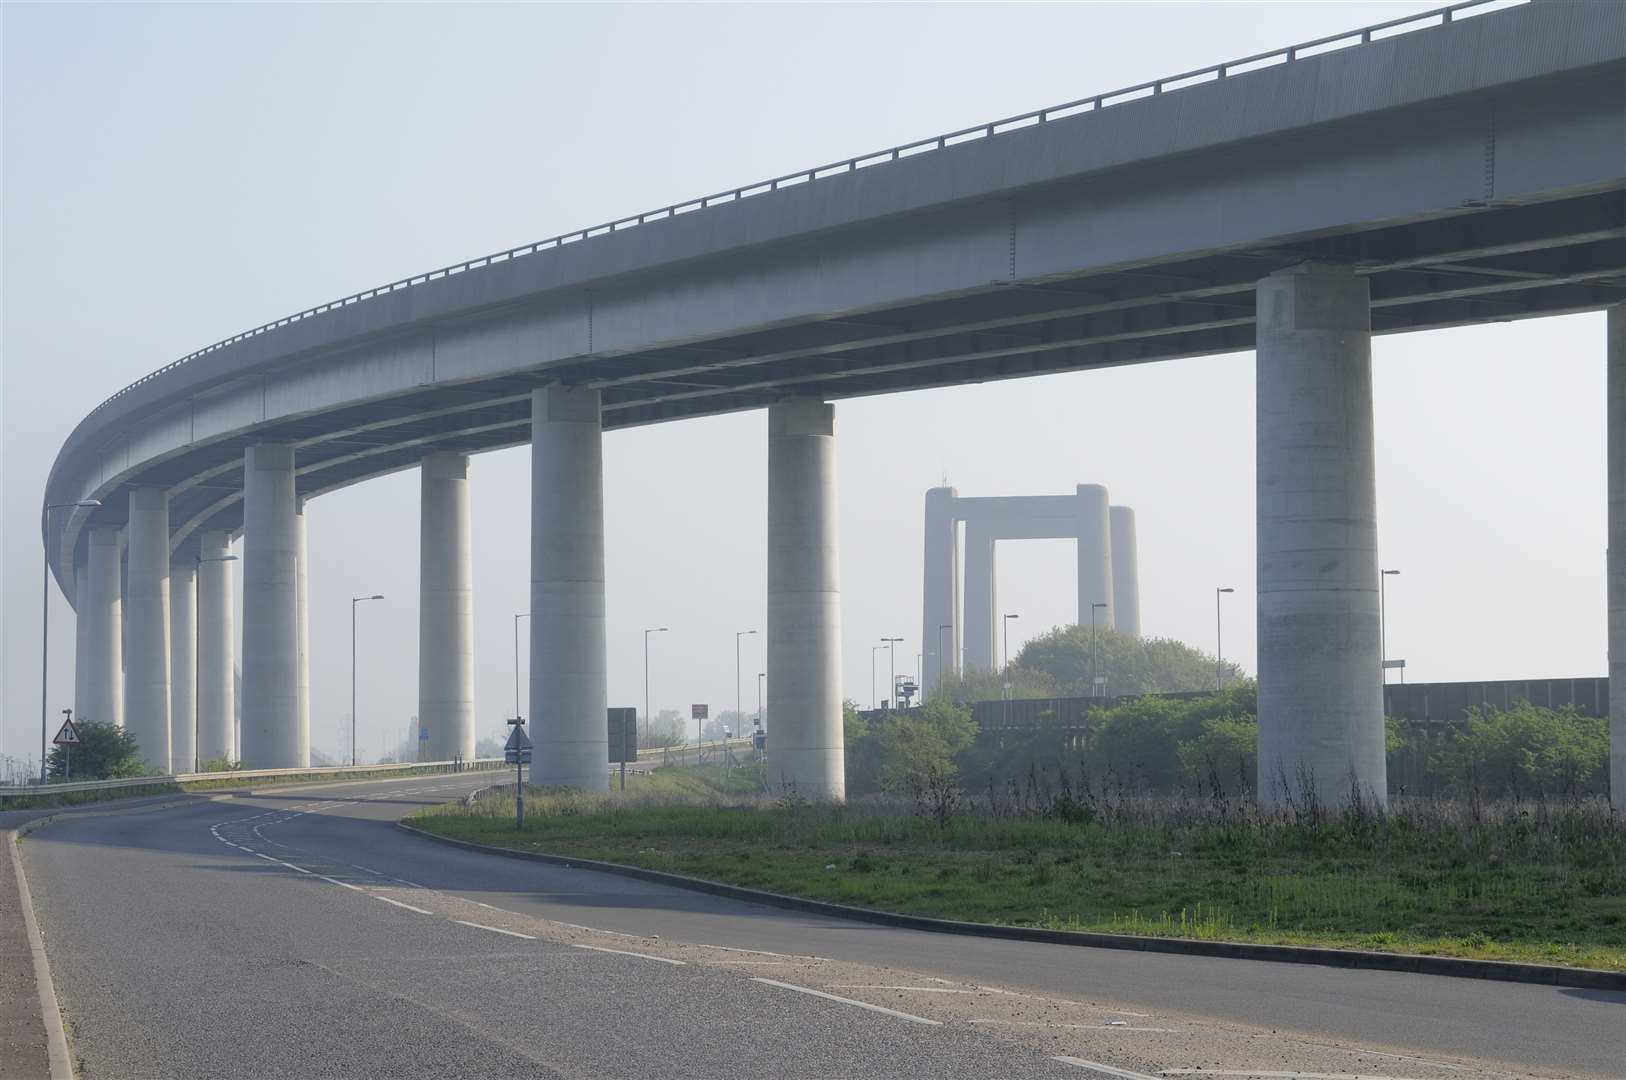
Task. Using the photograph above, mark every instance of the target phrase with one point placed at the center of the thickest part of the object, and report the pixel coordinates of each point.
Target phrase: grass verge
(1538, 883)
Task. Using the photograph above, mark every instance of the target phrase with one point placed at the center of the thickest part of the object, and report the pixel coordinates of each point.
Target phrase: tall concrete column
(100, 696)
(1125, 573)
(81, 633)
(146, 679)
(446, 611)
(940, 589)
(1320, 674)
(569, 725)
(270, 735)
(1094, 556)
(804, 602)
(217, 692)
(981, 598)
(302, 623)
(183, 659)
(1615, 352)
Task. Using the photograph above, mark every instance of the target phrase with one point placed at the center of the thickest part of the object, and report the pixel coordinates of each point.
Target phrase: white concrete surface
(217, 650)
(804, 603)
(940, 589)
(99, 695)
(445, 610)
(1615, 351)
(981, 597)
(183, 659)
(270, 736)
(1125, 572)
(146, 627)
(1094, 557)
(1320, 678)
(302, 625)
(569, 726)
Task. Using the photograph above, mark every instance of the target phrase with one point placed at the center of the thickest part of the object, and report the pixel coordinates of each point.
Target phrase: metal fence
(1213, 73)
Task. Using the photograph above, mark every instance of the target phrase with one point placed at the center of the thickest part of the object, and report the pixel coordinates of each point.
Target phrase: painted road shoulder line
(847, 1001)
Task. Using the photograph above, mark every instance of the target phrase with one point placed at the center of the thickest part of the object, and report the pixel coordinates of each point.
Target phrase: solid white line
(346, 884)
(914, 989)
(1267, 1075)
(847, 1001)
(624, 952)
(56, 1039)
(1104, 1070)
(398, 904)
(1077, 1027)
(494, 929)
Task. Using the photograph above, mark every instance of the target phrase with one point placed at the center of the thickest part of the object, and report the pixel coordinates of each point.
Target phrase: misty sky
(175, 174)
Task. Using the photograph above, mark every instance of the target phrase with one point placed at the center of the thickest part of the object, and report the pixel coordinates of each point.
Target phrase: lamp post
(944, 656)
(739, 710)
(1219, 641)
(1095, 650)
(1005, 674)
(45, 614)
(892, 653)
(874, 703)
(760, 676)
(652, 630)
(1383, 621)
(197, 668)
(517, 618)
(354, 600)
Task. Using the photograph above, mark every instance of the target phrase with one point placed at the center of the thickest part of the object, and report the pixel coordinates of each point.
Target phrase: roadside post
(517, 752)
(623, 739)
(698, 713)
(67, 738)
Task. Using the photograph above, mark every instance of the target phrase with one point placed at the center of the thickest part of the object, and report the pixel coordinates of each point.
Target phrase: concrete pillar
(81, 633)
(146, 679)
(940, 590)
(99, 695)
(445, 611)
(804, 602)
(1094, 556)
(216, 652)
(569, 726)
(302, 623)
(1320, 676)
(1615, 352)
(981, 598)
(1125, 573)
(270, 735)
(183, 659)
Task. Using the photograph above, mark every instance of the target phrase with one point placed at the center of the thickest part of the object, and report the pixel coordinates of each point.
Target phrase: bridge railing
(1212, 73)
(341, 771)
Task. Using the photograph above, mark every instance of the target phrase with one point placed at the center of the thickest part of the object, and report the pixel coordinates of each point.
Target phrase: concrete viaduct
(1462, 167)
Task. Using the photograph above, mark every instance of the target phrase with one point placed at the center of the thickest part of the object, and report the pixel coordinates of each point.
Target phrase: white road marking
(847, 1001)
(398, 904)
(1120, 1026)
(914, 989)
(346, 884)
(624, 952)
(1104, 1070)
(494, 929)
(755, 963)
(1268, 1075)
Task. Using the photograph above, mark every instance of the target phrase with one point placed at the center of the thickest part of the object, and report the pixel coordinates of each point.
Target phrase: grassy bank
(46, 799)
(1534, 882)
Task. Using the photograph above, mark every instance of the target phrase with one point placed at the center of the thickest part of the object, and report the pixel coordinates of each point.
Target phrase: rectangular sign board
(623, 735)
(699, 712)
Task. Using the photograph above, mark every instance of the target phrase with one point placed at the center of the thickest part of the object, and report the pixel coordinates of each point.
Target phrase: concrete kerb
(1410, 963)
(56, 1036)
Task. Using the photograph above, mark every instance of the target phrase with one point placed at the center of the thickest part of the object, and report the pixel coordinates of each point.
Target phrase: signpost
(698, 713)
(623, 739)
(517, 752)
(67, 738)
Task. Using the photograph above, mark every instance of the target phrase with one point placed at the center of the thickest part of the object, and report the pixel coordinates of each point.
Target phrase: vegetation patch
(1539, 882)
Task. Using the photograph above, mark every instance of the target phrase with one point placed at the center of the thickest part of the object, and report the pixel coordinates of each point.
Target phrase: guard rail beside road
(341, 771)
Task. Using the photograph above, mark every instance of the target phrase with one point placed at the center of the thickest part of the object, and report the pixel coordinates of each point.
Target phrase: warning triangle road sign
(68, 736)
(518, 740)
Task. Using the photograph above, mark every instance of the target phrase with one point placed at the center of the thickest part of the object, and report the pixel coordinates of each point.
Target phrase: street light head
(1391, 573)
(376, 596)
(88, 504)
(661, 629)
(1225, 590)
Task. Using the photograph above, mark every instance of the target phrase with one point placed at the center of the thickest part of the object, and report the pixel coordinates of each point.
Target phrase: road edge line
(1406, 963)
(56, 1036)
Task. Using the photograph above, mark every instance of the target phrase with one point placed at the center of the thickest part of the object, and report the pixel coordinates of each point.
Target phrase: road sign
(699, 712)
(68, 736)
(1394, 664)
(623, 735)
(517, 750)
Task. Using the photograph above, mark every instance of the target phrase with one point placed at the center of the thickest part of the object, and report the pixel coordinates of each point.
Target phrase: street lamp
(739, 711)
(197, 668)
(45, 612)
(1383, 621)
(760, 676)
(873, 649)
(354, 600)
(892, 653)
(1005, 676)
(517, 618)
(943, 655)
(1095, 651)
(652, 630)
(1219, 642)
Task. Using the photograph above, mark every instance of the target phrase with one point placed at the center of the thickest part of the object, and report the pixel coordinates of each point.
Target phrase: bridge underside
(1473, 266)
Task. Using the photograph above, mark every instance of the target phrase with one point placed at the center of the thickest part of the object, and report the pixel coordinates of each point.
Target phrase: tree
(979, 685)
(1528, 749)
(104, 752)
(911, 745)
(1130, 665)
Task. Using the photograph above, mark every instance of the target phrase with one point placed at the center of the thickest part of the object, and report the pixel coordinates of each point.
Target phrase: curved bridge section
(1461, 167)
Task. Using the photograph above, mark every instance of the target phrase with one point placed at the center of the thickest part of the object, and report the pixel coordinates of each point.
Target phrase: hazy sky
(174, 174)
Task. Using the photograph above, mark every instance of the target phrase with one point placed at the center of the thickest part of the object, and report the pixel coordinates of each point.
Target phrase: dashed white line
(336, 881)
(399, 904)
(495, 929)
(847, 1001)
(1104, 1070)
(624, 952)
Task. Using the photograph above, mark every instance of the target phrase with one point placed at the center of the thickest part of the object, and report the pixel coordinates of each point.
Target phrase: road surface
(295, 932)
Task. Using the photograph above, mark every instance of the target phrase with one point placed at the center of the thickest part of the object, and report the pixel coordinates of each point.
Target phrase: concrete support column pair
(276, 715)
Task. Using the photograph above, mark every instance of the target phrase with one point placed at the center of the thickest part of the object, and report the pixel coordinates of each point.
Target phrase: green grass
(77, 798)
(46, 799)
(1542, 884)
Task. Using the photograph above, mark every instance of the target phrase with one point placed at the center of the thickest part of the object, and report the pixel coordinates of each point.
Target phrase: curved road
(296, 932)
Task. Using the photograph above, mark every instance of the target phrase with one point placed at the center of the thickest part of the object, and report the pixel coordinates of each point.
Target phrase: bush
(104, 752)
(1130, 665)
(1527, 750)
(906, 748)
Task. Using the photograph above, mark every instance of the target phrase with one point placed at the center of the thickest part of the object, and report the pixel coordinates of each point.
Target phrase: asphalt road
(297, 933)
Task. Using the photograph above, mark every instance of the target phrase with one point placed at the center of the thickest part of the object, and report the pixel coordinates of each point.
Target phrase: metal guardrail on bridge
(341, 771)
(1214, 72)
